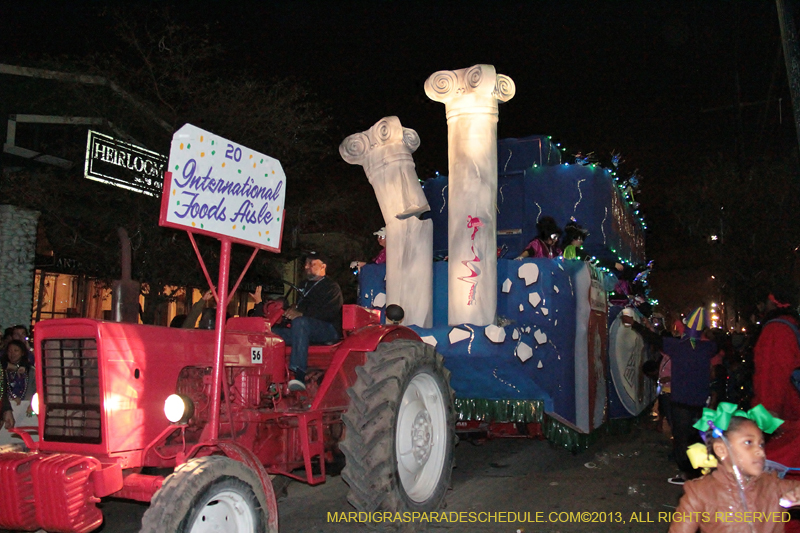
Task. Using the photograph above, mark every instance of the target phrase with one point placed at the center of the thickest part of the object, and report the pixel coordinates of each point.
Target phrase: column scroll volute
(504, 88)
(354, 148)
(482, 80)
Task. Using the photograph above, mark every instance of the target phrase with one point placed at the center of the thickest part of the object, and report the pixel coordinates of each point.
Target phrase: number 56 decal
(256, 355)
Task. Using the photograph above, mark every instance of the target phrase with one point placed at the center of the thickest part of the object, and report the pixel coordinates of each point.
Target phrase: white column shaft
(470, 97)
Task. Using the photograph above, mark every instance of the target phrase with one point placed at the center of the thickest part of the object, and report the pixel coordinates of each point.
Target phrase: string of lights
(626, 185)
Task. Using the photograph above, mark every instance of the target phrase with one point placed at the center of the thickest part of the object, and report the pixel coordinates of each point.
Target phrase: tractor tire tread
(181, 490)
(371, 470)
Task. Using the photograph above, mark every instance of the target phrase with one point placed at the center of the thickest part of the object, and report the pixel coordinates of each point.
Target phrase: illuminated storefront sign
(124, 165)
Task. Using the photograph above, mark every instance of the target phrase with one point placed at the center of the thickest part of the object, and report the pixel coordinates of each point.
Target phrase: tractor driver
(316, 317)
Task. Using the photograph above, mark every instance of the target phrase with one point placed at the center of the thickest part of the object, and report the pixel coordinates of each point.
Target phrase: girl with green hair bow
(739, 488)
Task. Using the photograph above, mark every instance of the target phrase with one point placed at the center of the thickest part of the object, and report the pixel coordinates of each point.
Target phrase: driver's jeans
(304, 331)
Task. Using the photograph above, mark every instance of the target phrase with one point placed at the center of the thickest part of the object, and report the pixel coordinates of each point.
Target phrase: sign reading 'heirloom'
(219, 188)
(124, 165)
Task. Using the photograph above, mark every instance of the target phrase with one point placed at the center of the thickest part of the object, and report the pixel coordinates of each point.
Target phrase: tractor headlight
(178, 408)
(35, 403)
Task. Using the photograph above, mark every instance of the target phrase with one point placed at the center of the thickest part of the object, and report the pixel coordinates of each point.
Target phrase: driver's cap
(317, 255)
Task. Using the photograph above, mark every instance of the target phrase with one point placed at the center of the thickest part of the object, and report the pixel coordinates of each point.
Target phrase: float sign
(219, 188)
(124, 165)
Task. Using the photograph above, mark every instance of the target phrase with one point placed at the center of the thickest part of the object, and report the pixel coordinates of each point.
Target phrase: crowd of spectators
(18, 380)
(701, 369)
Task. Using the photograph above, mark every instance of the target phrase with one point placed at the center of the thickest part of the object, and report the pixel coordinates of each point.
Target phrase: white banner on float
(220, 188)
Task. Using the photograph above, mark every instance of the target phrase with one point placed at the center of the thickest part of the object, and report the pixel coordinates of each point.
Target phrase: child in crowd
(20, 378)
(738, 485)
(19, 384)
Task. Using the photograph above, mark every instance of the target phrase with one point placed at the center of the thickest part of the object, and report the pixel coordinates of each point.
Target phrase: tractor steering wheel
(292, 286)
(273, 309)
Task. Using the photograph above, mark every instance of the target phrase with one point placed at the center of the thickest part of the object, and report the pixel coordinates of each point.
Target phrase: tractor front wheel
(208, 494)
(400, 430)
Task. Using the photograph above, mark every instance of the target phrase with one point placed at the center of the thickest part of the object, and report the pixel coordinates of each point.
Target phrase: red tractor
(196, 421)
(381, 395)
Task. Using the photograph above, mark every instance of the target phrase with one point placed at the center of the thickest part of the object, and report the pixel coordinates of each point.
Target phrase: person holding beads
(20, 378)
(734, 447)
(19, 382)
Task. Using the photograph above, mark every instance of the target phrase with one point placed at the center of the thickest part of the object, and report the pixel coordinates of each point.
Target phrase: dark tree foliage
(742, 221)
(159, 75)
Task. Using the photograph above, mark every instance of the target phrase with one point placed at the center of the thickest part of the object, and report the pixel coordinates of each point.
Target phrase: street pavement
(621, 479)
(618, 484)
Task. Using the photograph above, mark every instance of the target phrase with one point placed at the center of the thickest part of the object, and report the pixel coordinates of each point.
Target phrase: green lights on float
(624, 188)
(178, 408)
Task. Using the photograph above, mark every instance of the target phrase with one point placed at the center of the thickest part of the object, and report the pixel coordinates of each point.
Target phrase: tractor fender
(360, 341)
(367, 338)
(239, 453)
(245, 456)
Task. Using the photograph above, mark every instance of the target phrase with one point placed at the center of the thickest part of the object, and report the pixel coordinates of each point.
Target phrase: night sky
(657, 81)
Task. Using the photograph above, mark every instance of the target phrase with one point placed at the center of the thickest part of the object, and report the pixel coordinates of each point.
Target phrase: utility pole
(791, 56)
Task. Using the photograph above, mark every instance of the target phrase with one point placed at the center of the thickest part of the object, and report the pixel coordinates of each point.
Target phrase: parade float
(534, 345)
(196, 422)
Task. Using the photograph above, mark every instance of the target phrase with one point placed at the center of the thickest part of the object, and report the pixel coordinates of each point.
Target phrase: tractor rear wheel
(400, 431)
(208, 494)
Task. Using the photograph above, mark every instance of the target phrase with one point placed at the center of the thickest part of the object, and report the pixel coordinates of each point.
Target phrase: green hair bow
(721, 418)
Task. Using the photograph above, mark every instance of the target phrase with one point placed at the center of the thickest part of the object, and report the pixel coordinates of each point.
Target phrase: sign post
(222, 189)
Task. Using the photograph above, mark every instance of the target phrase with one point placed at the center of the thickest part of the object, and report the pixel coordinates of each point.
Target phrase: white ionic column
(385, 153)
(470, 97)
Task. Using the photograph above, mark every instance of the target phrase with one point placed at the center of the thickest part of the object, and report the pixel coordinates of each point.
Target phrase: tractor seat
(319, 347)
(319, 355)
